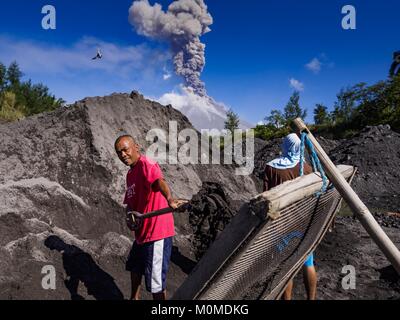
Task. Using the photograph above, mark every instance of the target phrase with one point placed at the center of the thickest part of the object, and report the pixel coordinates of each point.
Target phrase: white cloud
(70, 73)
(314, 65)
(296, 84)
(167, 76)
(319, 63)
(203, 112)
(119, 60)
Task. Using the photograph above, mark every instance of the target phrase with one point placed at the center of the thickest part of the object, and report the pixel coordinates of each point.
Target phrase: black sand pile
(268, 151)
(376, 153)
(350, 245)
(209, 213)
(388, 219)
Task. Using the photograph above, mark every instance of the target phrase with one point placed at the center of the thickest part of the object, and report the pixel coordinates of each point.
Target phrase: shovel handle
(157, 212)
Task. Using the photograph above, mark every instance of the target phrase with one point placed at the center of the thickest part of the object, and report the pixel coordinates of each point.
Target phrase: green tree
(3, 77)
(23, 97)
(232, 121)
(293, 109)
(346, 103)
(377, 104)
(14, 75)
(321, 115)
(269, 131)
(36, 98)
(392, 102)
(361, 105)
(276, 119)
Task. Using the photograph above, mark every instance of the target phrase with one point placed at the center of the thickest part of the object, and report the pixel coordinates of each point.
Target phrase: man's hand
(175, 203)
(163, 187)
(133, 222)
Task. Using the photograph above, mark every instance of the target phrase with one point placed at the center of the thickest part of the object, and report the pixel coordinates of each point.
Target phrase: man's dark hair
(127, 136)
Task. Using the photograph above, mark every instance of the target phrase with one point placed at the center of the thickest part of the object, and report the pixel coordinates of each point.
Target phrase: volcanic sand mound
(376, 153)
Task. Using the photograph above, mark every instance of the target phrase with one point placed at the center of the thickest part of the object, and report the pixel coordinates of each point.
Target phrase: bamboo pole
(354, 202)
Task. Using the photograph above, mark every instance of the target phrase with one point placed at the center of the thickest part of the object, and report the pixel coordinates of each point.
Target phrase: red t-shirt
(140, 197)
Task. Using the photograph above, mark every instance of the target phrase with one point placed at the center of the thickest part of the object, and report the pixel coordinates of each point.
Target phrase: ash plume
(182, 25)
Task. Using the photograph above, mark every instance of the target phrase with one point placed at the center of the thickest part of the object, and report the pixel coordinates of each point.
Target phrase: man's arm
(162, 186)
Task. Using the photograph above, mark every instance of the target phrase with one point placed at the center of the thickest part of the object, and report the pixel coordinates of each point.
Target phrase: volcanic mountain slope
(61, 188)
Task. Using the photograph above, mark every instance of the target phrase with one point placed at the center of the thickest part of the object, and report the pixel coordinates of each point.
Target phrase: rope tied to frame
(316, 164)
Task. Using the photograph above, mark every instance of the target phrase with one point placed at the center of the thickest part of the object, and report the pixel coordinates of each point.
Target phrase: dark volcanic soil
(349, 244)
(209, 213)
(376, 153)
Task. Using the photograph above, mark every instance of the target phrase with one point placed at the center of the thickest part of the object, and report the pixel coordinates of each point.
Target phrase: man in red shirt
(147, 191)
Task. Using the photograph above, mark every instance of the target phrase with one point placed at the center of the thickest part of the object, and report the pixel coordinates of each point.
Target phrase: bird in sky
(99, 55)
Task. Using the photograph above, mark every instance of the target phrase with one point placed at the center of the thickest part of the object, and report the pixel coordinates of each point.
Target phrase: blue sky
(253, 51)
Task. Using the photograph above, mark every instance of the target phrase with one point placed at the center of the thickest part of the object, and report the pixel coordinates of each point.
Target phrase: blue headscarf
(290, 153)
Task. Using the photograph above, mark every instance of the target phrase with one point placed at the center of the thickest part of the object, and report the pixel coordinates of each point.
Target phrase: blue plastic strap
(317, 167)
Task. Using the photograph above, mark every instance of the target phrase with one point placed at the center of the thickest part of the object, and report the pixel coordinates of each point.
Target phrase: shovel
(135, 219)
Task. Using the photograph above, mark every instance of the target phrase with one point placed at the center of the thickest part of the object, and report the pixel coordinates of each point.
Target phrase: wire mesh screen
(273, 252)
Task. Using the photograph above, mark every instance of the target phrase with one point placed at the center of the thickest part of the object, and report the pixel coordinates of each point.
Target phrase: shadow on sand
(184, 263)
(80, 267)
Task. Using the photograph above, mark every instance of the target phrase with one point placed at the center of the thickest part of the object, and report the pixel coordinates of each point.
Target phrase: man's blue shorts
(151, 260)
(309, 261)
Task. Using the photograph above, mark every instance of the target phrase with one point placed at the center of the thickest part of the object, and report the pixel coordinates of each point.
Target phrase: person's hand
(132, 221)
(129, 223)
(176, 203)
